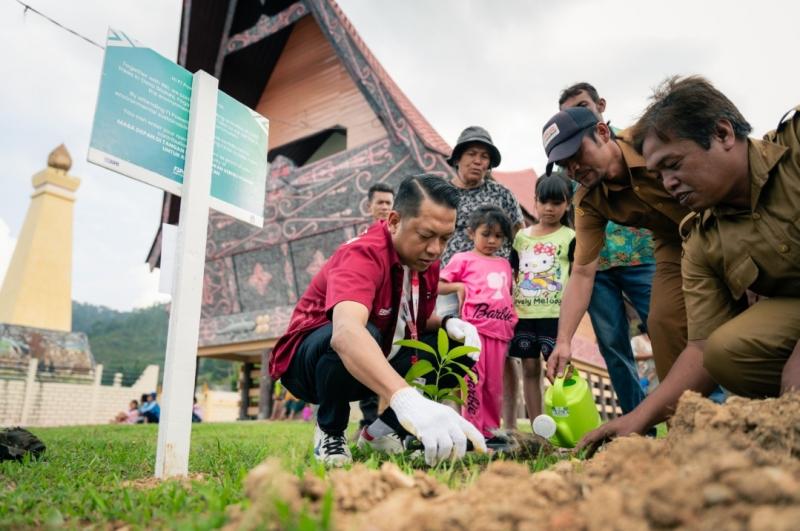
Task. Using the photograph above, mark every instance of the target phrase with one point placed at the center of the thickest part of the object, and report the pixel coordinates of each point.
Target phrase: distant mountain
(123, 342)
(127, 342)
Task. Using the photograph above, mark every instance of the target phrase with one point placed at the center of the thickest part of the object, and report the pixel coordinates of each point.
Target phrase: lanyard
(410, 313)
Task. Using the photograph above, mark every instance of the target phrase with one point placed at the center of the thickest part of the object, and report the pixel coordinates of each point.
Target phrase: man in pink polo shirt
(375, 289)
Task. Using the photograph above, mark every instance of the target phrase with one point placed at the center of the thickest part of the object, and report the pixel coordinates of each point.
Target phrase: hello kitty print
(542, 274)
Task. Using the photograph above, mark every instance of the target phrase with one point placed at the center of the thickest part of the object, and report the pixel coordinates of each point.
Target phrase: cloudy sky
(500, 64)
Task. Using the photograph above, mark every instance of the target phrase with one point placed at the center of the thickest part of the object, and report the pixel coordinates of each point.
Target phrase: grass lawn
(97, 476)
(88, 475)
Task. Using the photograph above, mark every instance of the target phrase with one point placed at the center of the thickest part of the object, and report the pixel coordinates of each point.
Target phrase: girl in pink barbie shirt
(483, 283)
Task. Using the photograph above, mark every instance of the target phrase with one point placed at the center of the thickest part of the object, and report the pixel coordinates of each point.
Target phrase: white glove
(441, 430)
(466, 333)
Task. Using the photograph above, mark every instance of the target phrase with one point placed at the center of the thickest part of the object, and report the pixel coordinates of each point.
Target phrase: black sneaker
(331, 449)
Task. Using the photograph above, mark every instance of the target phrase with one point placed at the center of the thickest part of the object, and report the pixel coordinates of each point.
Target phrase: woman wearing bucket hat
(473, 158)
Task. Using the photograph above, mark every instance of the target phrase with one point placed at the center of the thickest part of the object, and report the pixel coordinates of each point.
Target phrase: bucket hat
(471, 135)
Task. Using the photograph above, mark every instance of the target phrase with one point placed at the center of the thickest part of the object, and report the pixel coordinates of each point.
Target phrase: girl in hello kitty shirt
(483, 284)
(541, 259)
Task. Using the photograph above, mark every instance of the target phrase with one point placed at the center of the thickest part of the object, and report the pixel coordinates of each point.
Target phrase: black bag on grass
(16, 442)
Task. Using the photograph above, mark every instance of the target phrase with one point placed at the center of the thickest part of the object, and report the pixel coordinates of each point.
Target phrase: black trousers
(369, 410)
(317, 375)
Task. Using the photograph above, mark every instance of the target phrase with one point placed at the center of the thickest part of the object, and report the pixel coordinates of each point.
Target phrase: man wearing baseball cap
(624, 272)
(615, 186)
(742, 240)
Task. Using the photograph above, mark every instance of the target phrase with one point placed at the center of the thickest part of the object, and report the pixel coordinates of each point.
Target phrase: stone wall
(219, 406)
(39, 400)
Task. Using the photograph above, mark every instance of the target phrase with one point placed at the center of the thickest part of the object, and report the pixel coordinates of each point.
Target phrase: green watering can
(570, 405)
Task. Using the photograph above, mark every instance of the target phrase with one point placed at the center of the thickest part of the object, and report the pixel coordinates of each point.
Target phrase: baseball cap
(562, 134)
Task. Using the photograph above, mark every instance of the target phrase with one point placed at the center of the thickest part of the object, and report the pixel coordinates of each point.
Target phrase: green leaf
(416, 385)
(460, 351)
(430, 390)
(444, 344)
(467, 371)
(413, 343)
(441, 393)
(420, 368)
(453, 398)
(464, 369)
(456, 399)
(464, 389)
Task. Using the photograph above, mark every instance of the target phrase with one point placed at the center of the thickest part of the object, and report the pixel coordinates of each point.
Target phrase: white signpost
(158, 123)
(175, 425)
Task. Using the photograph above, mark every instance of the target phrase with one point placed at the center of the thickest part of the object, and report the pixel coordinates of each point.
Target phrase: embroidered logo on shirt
(383, 312)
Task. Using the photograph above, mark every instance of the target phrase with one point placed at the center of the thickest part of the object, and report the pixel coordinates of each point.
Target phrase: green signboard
(239, 170)
(141, 122)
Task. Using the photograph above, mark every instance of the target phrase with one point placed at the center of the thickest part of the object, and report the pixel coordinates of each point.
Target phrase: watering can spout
(564, 431)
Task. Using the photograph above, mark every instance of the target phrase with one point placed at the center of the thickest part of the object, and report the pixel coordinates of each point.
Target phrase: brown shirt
(639, 200)
(730, 250)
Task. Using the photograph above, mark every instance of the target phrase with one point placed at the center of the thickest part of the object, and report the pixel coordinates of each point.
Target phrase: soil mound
(735, 466)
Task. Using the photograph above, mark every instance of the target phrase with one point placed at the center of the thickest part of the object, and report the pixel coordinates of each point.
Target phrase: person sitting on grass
(377, 288)
(145, 398)
(292, 407)
(150, 410)
(197, 412)
(278, 399)
(308, 413)
(129, 417)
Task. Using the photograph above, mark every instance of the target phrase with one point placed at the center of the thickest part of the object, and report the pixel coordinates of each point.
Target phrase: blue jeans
(611, 326)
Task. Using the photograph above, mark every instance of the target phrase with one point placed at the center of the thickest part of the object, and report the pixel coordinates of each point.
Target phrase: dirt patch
(153, 482)
(735, 466)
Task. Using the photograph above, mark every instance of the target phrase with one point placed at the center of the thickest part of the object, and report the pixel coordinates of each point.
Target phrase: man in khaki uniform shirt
(615, 186)
(744, 235)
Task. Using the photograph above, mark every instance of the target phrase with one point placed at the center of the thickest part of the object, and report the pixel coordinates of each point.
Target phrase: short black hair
(379, 187)
(577, 88)
(688, 108)
(556, 188)
(492, 216)
(413, 189)
(553, 188)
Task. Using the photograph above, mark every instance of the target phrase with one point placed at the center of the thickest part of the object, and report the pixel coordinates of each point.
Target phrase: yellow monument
(37, 290)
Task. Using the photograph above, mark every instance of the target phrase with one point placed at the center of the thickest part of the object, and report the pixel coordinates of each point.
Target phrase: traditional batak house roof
(338, 124)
